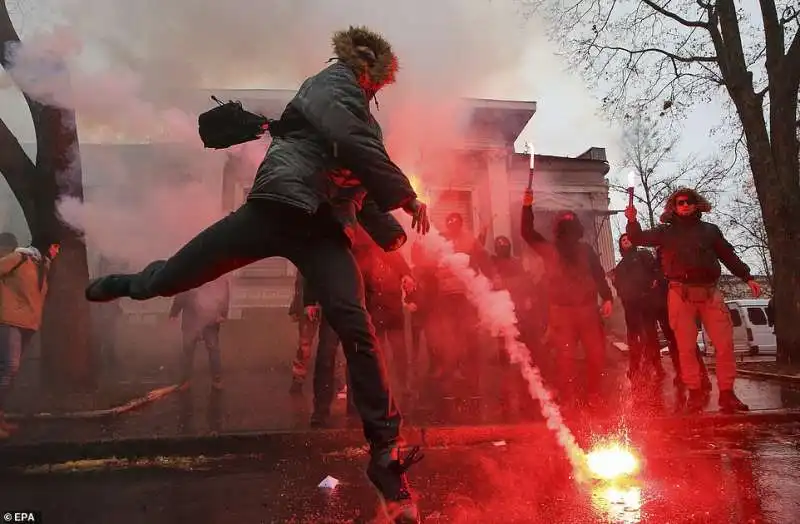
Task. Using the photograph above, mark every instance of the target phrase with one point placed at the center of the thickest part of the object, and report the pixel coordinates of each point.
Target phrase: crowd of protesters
(669, 285)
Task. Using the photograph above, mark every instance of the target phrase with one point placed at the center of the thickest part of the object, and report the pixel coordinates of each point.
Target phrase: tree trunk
(775, 173)
(66, 355)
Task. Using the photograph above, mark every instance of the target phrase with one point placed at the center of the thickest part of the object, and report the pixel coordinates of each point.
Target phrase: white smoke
(496, 314)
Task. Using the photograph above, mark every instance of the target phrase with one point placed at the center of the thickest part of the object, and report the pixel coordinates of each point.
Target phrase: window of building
(757, 316)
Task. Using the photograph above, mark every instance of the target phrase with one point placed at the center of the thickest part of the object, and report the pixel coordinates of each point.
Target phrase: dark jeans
(325, 370)
(325, 364)
(210, 336)
(13, 341)
(317, 246)
(640, 322)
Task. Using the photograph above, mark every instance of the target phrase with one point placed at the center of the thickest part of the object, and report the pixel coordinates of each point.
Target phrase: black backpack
(230, 124)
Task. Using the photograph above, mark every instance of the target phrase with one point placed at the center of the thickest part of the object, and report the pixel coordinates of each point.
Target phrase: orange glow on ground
(611, 461)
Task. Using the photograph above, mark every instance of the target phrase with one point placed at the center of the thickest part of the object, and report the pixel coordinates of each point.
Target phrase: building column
(497, 171)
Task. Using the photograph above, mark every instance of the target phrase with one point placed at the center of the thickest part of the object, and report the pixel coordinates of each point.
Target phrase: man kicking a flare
(691, 250)
(329, 145)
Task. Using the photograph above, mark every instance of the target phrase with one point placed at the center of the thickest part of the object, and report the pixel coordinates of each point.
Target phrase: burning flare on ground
(611, 461)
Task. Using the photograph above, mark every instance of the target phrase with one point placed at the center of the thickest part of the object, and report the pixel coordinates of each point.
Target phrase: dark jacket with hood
(510, 274)
(573, 272)
(636, 277)
(330, 150)
(690, 249)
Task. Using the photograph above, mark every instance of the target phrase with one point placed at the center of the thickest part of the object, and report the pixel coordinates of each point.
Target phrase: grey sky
(446, 47)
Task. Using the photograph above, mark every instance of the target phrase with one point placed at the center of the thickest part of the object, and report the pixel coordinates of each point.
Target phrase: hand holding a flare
(527, 197)
(630, 211)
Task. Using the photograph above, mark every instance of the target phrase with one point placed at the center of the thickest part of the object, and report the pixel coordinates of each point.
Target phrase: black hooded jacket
(572, 281)
(690, 249)
(636, 277)
(331, 151)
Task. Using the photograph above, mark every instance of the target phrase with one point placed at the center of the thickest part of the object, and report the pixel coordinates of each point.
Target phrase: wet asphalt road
(746, 474)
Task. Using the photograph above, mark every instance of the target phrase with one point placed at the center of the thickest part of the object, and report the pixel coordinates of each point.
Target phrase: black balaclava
(502, 247)
(454, 223)
(567, 231)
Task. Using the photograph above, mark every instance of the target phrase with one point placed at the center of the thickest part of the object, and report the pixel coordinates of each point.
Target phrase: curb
(789, 379)
(136, 403)
(279, 443)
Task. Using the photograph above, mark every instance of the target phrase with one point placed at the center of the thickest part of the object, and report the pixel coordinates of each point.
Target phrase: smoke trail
(496, 313)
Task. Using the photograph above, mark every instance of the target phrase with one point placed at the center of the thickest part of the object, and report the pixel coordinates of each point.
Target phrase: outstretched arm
(643, 237)
(599, 276)
(728, 256)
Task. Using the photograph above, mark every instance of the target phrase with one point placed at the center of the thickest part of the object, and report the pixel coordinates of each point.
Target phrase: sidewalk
(255, 413)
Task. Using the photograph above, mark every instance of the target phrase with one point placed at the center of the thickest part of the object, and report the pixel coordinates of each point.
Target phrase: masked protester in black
(636, 279)
(574, 279)
(510, 274)
(326, 169)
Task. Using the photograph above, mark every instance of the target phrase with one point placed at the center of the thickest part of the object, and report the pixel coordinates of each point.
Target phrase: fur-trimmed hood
(368, 54)
(703, 205)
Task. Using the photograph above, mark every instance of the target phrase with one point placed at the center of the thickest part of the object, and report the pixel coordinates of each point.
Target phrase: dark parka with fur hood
(331, 152)
(690, 249)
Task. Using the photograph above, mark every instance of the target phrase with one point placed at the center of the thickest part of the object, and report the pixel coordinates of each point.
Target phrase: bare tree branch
(671, 56)
(688, 23)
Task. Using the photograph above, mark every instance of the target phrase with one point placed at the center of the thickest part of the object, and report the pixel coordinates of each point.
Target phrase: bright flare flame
(529, 151)
(611, 461)
(632, 179)
(417, 186)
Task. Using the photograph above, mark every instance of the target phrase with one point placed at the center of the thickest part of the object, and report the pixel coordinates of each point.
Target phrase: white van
(751, 331)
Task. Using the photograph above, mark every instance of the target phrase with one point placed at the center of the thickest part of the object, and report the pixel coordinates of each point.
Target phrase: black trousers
(318, 247)
(640, 321)
(325, 370)
(325, 363)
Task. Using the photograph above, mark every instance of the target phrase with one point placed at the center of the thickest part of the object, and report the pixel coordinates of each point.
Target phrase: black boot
(296, 388)
(387, 472)
(320, 419)
(697, 401)
(730, 403)
(108, 288)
